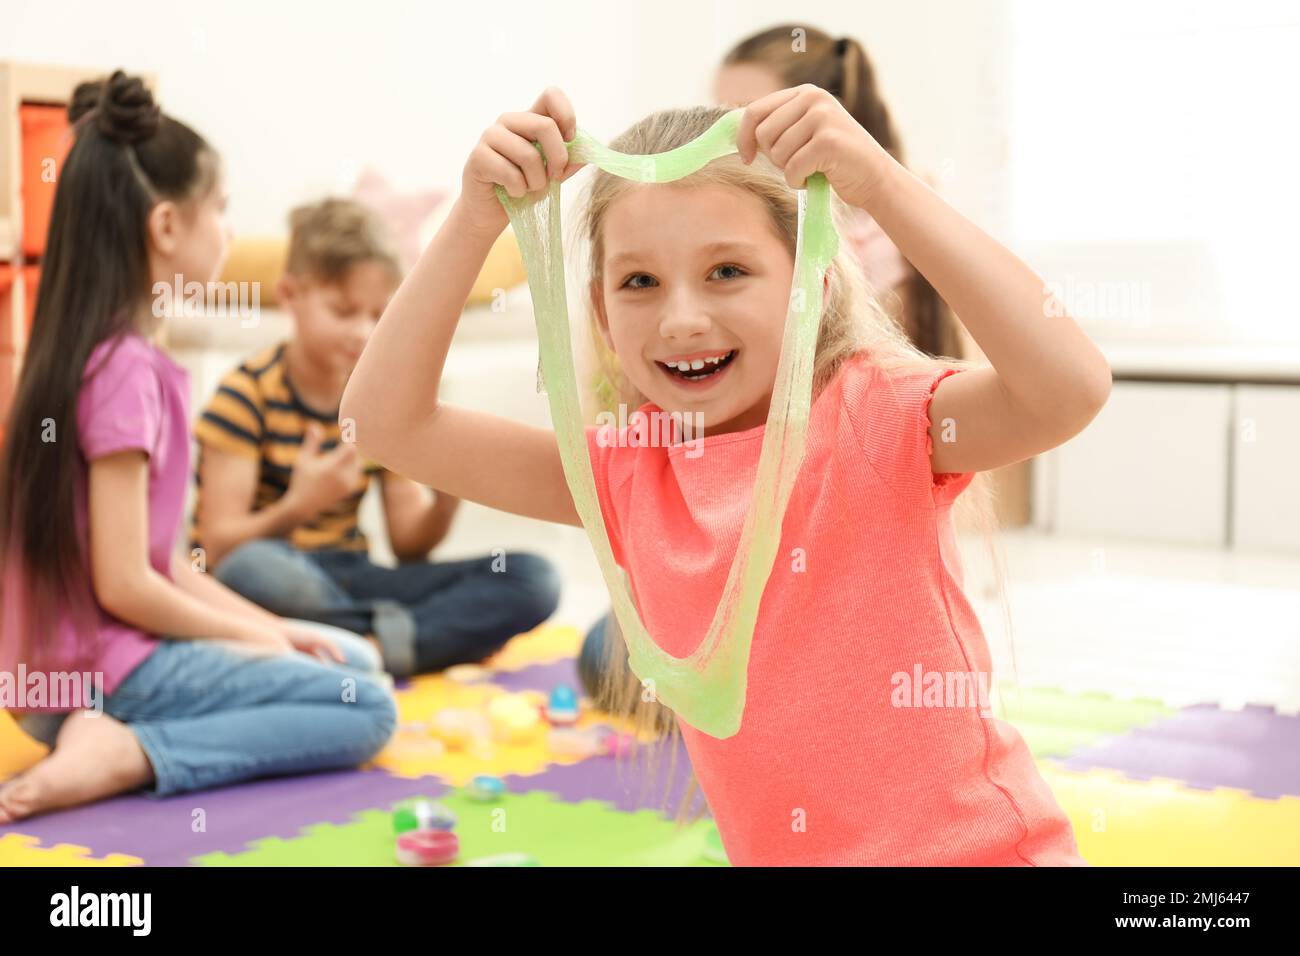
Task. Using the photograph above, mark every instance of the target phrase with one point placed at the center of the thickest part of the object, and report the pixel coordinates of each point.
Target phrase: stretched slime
(707, 688)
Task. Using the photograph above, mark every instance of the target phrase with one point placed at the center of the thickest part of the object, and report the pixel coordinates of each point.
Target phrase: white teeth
(696, 364)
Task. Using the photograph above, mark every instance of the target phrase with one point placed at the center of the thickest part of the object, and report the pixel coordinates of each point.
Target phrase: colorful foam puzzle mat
(1143, 783)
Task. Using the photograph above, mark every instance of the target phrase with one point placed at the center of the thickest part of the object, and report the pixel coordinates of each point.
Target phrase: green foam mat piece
(1055, 724)
(556, 833)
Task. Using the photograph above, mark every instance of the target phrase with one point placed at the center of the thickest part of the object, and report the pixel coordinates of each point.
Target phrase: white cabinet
(1266, 468)
(1153, 465)
(1180, 463)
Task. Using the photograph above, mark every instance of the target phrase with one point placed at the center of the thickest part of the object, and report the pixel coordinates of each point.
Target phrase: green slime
(707, 688)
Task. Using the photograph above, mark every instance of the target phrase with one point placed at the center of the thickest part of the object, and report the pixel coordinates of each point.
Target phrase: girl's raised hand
(806, 130)
(505, 155)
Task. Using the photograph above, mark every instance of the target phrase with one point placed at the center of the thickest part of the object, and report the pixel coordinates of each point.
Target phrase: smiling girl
(689, 290)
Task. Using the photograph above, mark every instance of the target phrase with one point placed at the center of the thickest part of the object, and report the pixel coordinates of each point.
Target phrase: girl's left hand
(806, 130)
(312, 643)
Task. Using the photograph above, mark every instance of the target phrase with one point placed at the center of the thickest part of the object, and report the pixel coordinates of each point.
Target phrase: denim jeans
(426, 615)
(209, 713)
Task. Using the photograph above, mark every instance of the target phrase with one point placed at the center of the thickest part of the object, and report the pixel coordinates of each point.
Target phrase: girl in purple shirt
(151, 673)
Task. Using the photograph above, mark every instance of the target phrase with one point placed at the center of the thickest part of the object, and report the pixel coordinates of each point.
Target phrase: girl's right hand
(312, 643)
(263, 638)
(505, 155)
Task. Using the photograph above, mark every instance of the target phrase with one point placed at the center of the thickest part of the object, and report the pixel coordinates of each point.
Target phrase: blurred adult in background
(790, 55)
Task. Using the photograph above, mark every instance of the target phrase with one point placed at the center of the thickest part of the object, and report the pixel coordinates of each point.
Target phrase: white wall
(299, 97)
(1154, 150)
(1139, 157)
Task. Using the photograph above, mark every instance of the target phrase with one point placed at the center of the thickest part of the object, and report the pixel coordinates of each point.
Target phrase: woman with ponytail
(789, 55)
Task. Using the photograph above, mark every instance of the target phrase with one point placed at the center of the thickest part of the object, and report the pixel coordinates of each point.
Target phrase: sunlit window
(1155, 153)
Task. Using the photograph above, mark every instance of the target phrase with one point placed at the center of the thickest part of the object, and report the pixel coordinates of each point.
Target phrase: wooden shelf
(23, 84)
(26, 83)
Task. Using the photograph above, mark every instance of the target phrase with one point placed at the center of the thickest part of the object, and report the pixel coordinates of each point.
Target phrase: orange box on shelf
(44, 144)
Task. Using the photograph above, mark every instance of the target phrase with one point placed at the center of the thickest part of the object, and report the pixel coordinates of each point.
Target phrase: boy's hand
(506, 155)
(805, 130)
(320, 479)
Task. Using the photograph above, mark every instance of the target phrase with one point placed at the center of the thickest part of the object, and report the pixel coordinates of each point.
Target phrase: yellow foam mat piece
(17, 750)
(414, 753)
(19, 850)
(1123, 822)
(542, 645)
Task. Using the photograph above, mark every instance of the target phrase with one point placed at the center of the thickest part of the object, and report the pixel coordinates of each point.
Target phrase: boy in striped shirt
(280, 481)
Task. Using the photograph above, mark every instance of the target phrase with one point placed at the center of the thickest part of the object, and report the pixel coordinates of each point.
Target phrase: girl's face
(693, 274)
(190, 238)
(741, 83)
(206, 235)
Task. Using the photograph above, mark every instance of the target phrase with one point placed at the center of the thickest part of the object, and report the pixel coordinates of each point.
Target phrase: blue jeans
(209, 713)
(426, 615)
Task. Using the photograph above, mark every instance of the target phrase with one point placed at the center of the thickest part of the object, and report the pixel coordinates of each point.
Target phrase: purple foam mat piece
(161, 831)
(623, 782)
(543, 677)
(1254, 749)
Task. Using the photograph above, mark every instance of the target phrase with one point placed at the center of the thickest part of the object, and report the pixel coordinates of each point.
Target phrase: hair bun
(84, 99)
(125, 111)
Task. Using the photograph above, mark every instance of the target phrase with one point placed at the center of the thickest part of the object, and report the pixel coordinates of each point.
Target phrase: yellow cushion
(503, 269)
(261, 259)
(257, 259)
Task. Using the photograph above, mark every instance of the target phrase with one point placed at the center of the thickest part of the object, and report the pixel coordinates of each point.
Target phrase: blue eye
(631, 283)
(736, 270)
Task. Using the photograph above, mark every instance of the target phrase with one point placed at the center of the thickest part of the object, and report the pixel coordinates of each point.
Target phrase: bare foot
(94, 757)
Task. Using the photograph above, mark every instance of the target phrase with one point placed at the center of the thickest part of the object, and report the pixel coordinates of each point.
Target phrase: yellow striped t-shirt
(256, 412)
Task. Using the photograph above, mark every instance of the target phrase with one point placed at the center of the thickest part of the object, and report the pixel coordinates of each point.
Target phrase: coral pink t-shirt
(133, 397)
(827, 768)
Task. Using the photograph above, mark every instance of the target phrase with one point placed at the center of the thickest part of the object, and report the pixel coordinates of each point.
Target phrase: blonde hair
(329, 237)
(853, 322)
